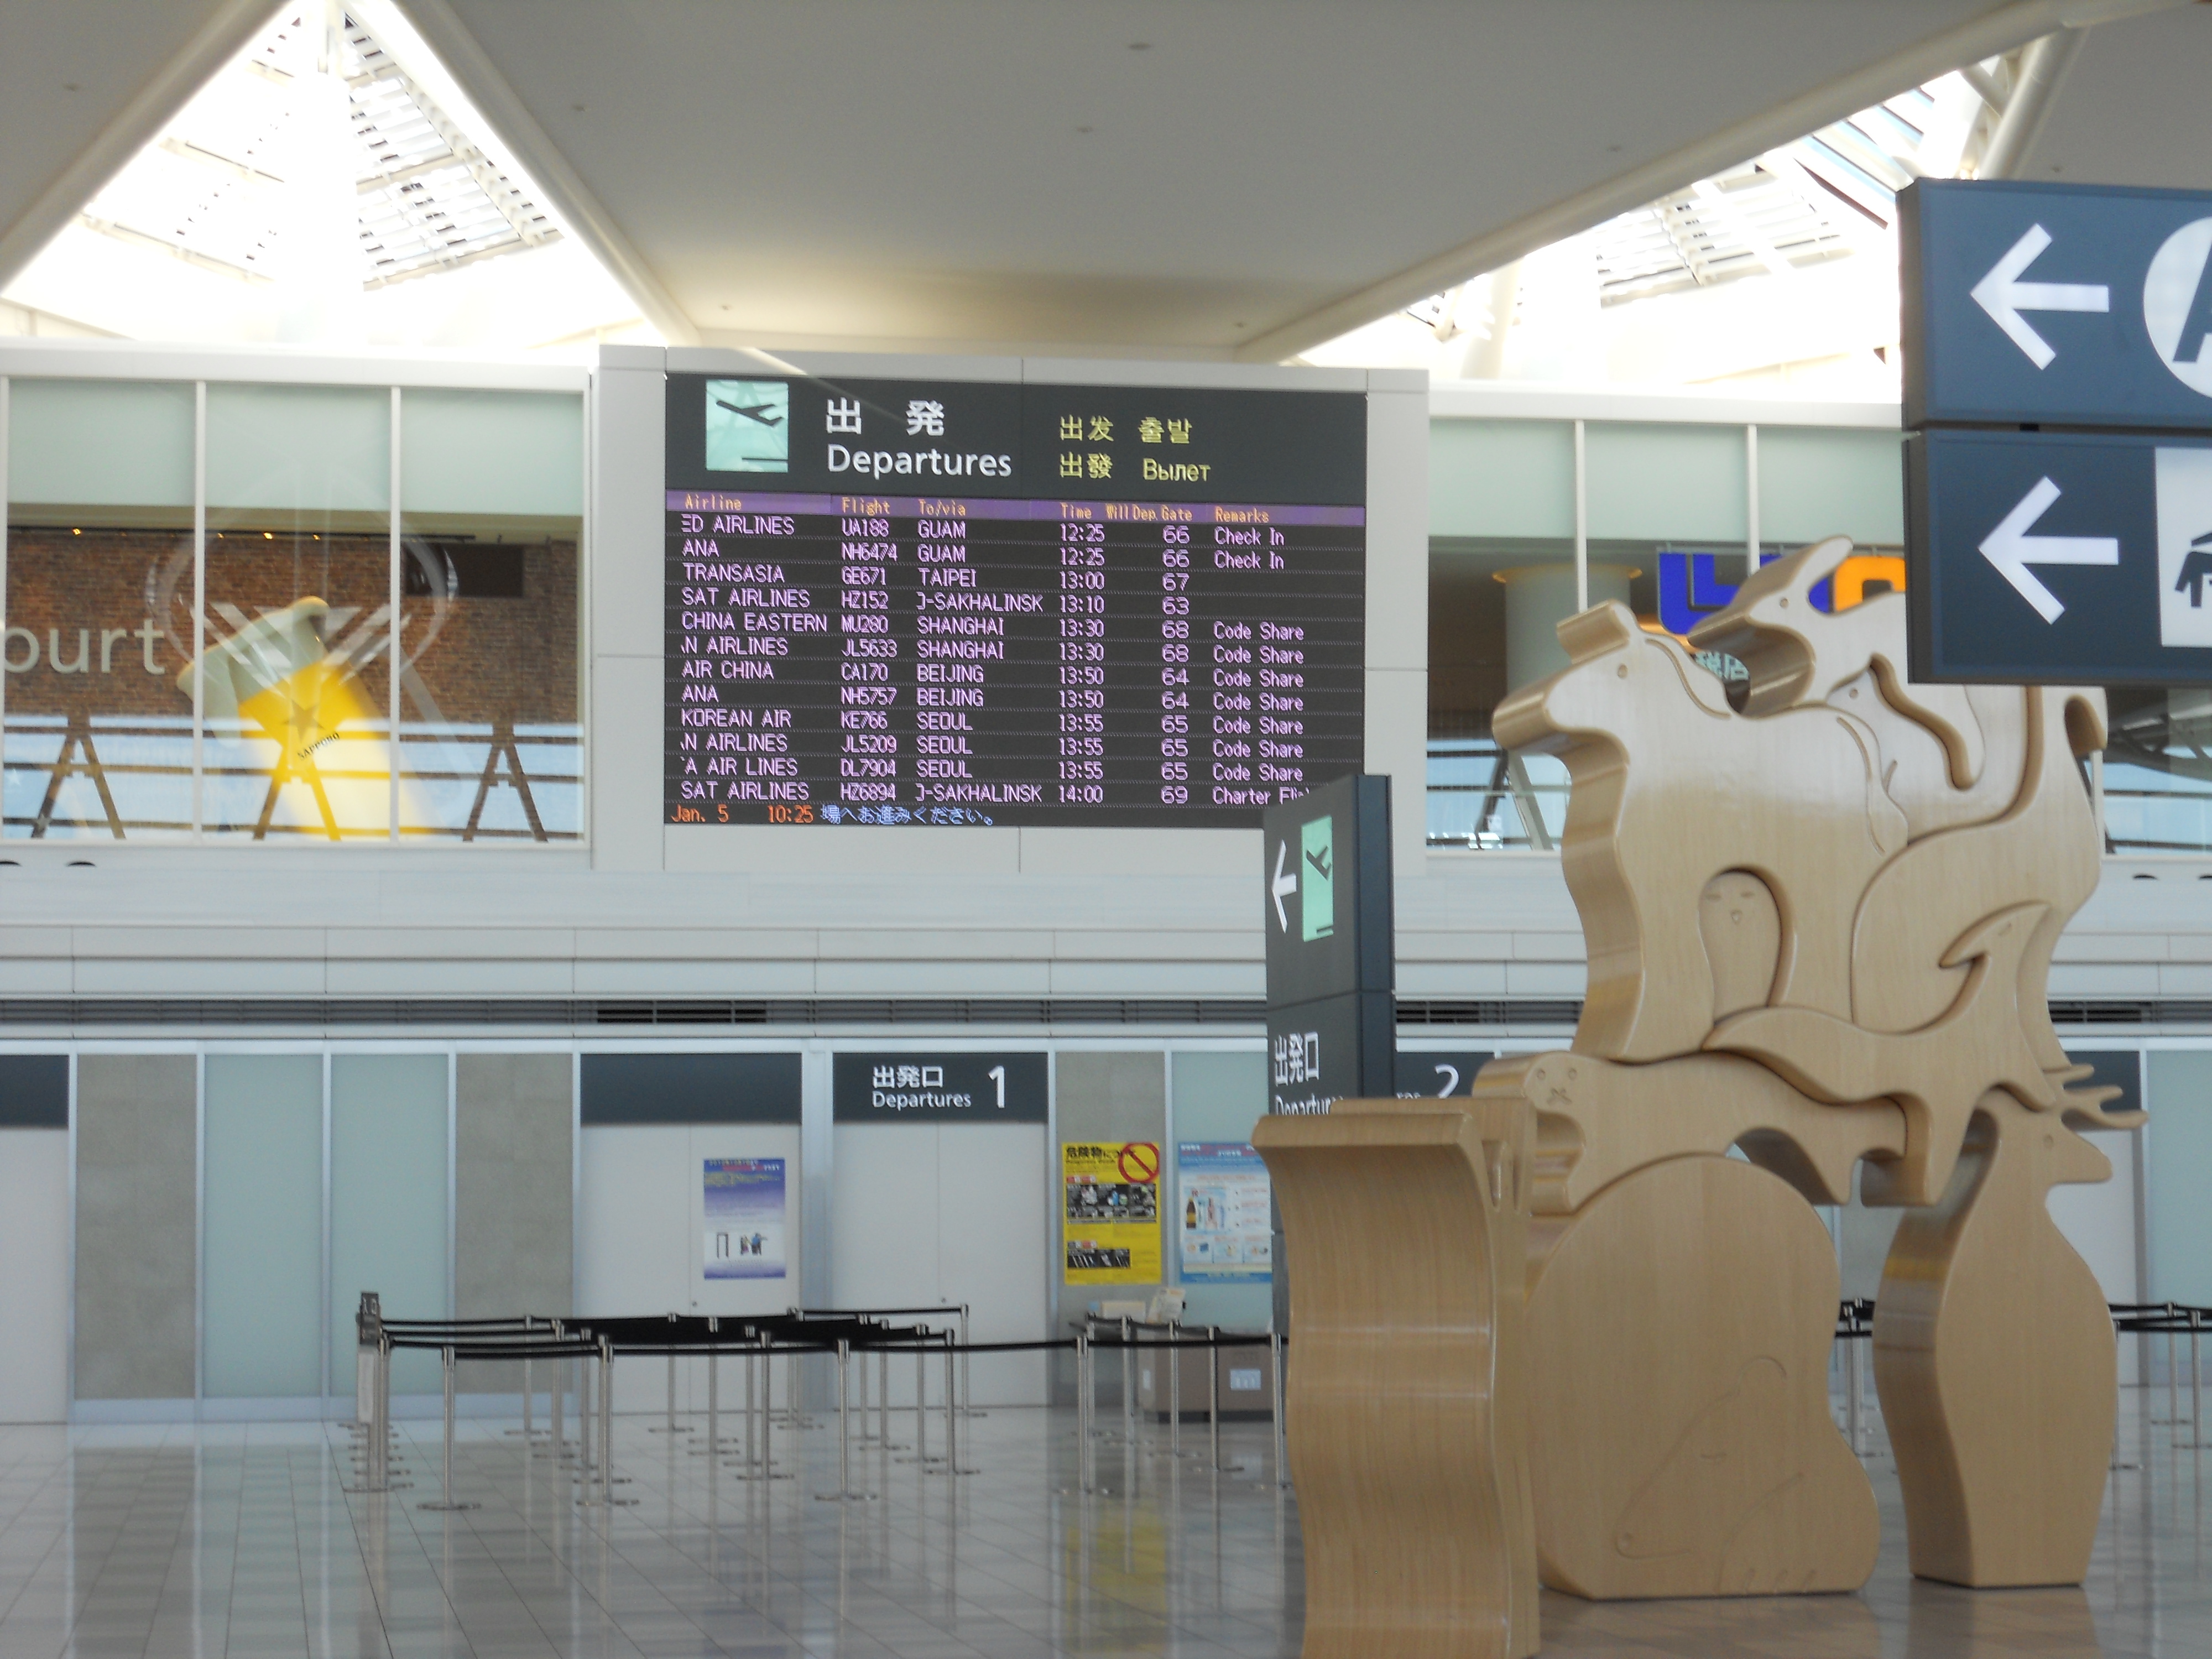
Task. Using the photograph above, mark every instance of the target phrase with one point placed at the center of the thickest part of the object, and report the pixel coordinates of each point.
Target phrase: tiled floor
(243, 1541)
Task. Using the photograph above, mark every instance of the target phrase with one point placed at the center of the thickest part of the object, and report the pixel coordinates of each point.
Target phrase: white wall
(939, 1215)
(34, 1275)
(641, 1242)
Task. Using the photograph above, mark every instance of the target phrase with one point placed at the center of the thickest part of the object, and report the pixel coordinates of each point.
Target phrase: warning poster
(1110, 1224)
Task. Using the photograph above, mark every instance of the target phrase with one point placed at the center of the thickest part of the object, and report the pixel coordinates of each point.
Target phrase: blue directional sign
(2070, 304)
(2076, 558)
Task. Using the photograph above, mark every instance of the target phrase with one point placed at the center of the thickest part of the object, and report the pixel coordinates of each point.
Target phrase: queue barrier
(843, 1334)
(757, 1339)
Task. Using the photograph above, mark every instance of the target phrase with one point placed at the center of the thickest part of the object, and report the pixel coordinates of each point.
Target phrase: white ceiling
(84, 84)
(2136, 108)
(1262, 175)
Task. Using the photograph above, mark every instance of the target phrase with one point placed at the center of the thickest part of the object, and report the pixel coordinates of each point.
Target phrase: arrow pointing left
(2004, 296)
(2012, 549)
(1283, 884)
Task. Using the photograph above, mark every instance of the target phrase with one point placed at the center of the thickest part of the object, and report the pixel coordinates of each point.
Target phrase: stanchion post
(445, 1500)
(1851, 1385)
(527, 1436)
(952, 1412)
(1275, 1404)
(584, 1423)
(1083, 1407)
(1213, 1393)
(2172, 1382)
(844, 1494)
(380, 1414)
(1175, 1388)
(865, 1436)
(557, 1404)
(1128, 1388)
(967, 1383)
(607, 1498)
(2196, 1380)
(714, 1405)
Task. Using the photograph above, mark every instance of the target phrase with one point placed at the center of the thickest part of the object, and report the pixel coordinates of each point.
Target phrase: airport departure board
(897, 602)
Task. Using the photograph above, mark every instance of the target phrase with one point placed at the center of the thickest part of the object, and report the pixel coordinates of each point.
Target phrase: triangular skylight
(324, 157)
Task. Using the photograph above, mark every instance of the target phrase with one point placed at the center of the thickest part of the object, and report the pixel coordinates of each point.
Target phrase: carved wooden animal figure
(1597, 1120)
(1951, 754)
(2043, 849)
(1671, 788)
(1679, 1327)
(1935, 1074)
(1994, 1356)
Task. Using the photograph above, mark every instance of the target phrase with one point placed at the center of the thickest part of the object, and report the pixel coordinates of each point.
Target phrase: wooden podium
(1405, 1404)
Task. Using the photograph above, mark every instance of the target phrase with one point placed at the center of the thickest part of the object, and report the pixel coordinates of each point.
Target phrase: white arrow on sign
(1283, 884)
(2004, 296)
(2012, 549)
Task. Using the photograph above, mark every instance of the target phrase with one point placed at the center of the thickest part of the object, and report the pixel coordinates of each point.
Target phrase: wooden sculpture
(1819, 931)
(1405, 1414)
(1993, 1356)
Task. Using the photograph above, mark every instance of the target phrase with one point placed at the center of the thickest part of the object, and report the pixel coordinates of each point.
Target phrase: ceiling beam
(1994, 32)
(557, 182)
(231, 27)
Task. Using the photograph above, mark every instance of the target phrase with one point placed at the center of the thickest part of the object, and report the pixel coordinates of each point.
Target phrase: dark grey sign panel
(766, 432)
(2059, 559)
(626, 1089)
(2076, 304)
(1440, 1073)
(946, 1087)
(1330, 1049)
(35, 1091)
(1325, 898)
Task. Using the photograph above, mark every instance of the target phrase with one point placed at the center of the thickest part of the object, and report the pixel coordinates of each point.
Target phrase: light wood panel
(1993, 1353)
(1936, 1073)
(1679, 1331)
(1404, 1228)
(1597, 1121)
(1795, 653)
(2042, 849)
(1654, 751)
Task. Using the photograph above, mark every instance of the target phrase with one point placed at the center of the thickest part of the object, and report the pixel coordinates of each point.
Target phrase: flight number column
(870, 717)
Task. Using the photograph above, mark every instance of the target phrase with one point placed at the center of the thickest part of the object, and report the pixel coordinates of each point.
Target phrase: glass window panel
(517, 452)
(2158, 771)
(76, 445)
(388, 1211)
(263, 1234)
(1658, 481)
(1501, 479)
(100, 493)
(2178, 1164)
(1816, 482)
(491, 744)
(298, 612)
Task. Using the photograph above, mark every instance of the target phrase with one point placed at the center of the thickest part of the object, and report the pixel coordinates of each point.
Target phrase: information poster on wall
(1110, 1225)
(1222, 1188)
(745, 1210)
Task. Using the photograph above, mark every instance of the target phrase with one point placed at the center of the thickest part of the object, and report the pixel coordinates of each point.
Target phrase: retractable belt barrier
(755, 1340)
(845, 1333)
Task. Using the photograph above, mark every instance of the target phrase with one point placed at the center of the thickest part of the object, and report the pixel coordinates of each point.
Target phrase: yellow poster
(1110, 1224)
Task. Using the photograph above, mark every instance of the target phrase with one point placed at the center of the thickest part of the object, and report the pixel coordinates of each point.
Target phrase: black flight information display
(956, 603)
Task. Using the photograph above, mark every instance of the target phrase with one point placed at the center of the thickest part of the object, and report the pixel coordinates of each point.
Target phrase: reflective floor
(243, 1541)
